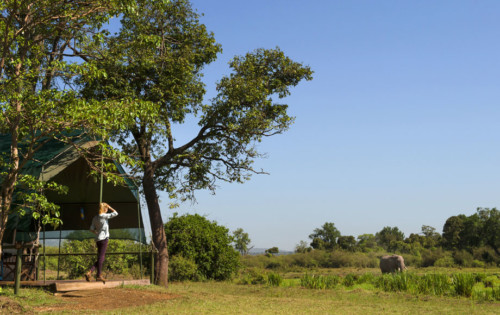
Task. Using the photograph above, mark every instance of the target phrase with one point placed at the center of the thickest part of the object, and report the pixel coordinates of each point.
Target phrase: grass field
(232, 298)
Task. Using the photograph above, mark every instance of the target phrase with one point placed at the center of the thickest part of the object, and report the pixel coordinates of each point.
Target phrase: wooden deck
(76, 285)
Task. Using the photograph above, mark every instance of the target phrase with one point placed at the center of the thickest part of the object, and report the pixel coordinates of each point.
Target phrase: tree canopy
(241, 241)
(325, 237)
(40, 57)
(479, 229)
(203, 242)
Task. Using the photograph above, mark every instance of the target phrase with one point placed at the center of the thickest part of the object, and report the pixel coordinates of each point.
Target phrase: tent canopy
(62, 163)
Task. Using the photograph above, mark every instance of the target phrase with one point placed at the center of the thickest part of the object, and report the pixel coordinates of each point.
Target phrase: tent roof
(55, 156)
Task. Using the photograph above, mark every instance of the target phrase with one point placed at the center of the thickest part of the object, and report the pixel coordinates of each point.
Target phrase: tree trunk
(157, 228)
(9, 183)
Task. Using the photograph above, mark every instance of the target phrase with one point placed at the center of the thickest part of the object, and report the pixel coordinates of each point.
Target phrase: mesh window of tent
(61, 163)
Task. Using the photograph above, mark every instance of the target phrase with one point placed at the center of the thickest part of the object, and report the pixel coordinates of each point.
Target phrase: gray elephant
(392, 263)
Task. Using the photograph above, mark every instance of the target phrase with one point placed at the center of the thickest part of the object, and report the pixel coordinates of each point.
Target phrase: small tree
(325, 237)
(367, 242)
(272, 251)
(302, 247)
(241, 241)
(431, 237)
(203, 242)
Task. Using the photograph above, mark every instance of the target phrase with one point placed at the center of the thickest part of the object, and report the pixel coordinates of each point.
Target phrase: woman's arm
(109, 207)
(113, 213)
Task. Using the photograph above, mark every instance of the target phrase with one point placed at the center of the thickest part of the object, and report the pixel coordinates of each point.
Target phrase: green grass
(228, 298)
(29, 298)
(331, 292)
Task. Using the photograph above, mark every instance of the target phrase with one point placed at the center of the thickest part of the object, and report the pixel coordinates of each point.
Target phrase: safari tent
(60, 162)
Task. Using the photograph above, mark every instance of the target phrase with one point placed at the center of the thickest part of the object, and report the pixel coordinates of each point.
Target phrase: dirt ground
(104, 299)
(7, 306)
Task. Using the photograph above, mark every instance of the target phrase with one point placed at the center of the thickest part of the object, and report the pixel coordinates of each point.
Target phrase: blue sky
(399, 126)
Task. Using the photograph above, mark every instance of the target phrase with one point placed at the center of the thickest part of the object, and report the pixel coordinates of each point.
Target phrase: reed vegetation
(476, 286)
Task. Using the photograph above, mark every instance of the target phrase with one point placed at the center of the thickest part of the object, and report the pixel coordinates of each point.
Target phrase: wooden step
(60, 286)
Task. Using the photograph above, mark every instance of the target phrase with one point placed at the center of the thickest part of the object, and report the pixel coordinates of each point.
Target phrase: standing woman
(100, 228)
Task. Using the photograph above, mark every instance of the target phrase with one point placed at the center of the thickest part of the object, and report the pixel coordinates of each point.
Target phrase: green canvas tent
(61, 163)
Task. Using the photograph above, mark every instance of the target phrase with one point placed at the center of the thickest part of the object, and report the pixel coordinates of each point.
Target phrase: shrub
(182, 269)
(495, 293)
(490, 281)
(463, 258)
(349, 280)
(340, 258)
(366, 278)
(319, 282)
(135, 271)
(414, 260)
(463, 283)
(204, 242)
(478, 264)
(429, 256)
(435, 284)
(487, 294)
(274, 279)
(403, 281)
(254, 261)
(385, 282)
(486, 254)
(274, 265)
(76, 265)
(51, 261)
(445, 262)
(253, 276)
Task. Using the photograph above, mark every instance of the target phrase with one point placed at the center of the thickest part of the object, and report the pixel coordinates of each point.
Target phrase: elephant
(392, 263)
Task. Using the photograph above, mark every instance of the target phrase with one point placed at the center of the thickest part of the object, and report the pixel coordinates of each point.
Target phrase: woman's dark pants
(101, 254)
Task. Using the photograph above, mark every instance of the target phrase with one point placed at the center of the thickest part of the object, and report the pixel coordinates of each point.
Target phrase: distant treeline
(466, 241)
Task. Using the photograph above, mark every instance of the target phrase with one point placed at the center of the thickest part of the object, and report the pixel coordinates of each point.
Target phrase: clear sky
(399, 127)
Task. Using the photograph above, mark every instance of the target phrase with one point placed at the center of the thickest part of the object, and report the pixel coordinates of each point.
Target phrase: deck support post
(19, 265)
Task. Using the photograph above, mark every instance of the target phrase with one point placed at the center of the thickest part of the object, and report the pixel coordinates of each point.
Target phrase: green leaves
(203, 242)
(325, 237)
(241, 241)
(46, 45)
(32, 200)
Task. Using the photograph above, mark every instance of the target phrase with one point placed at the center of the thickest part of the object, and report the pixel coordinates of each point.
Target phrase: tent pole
(102, 168)
(19, 266)
(44, 257)
(140, 234)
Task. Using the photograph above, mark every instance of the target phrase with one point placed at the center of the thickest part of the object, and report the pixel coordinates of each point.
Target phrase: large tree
(479, 229)
(490, 227)
(39, 57)
(156, 61)
(451, 231)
